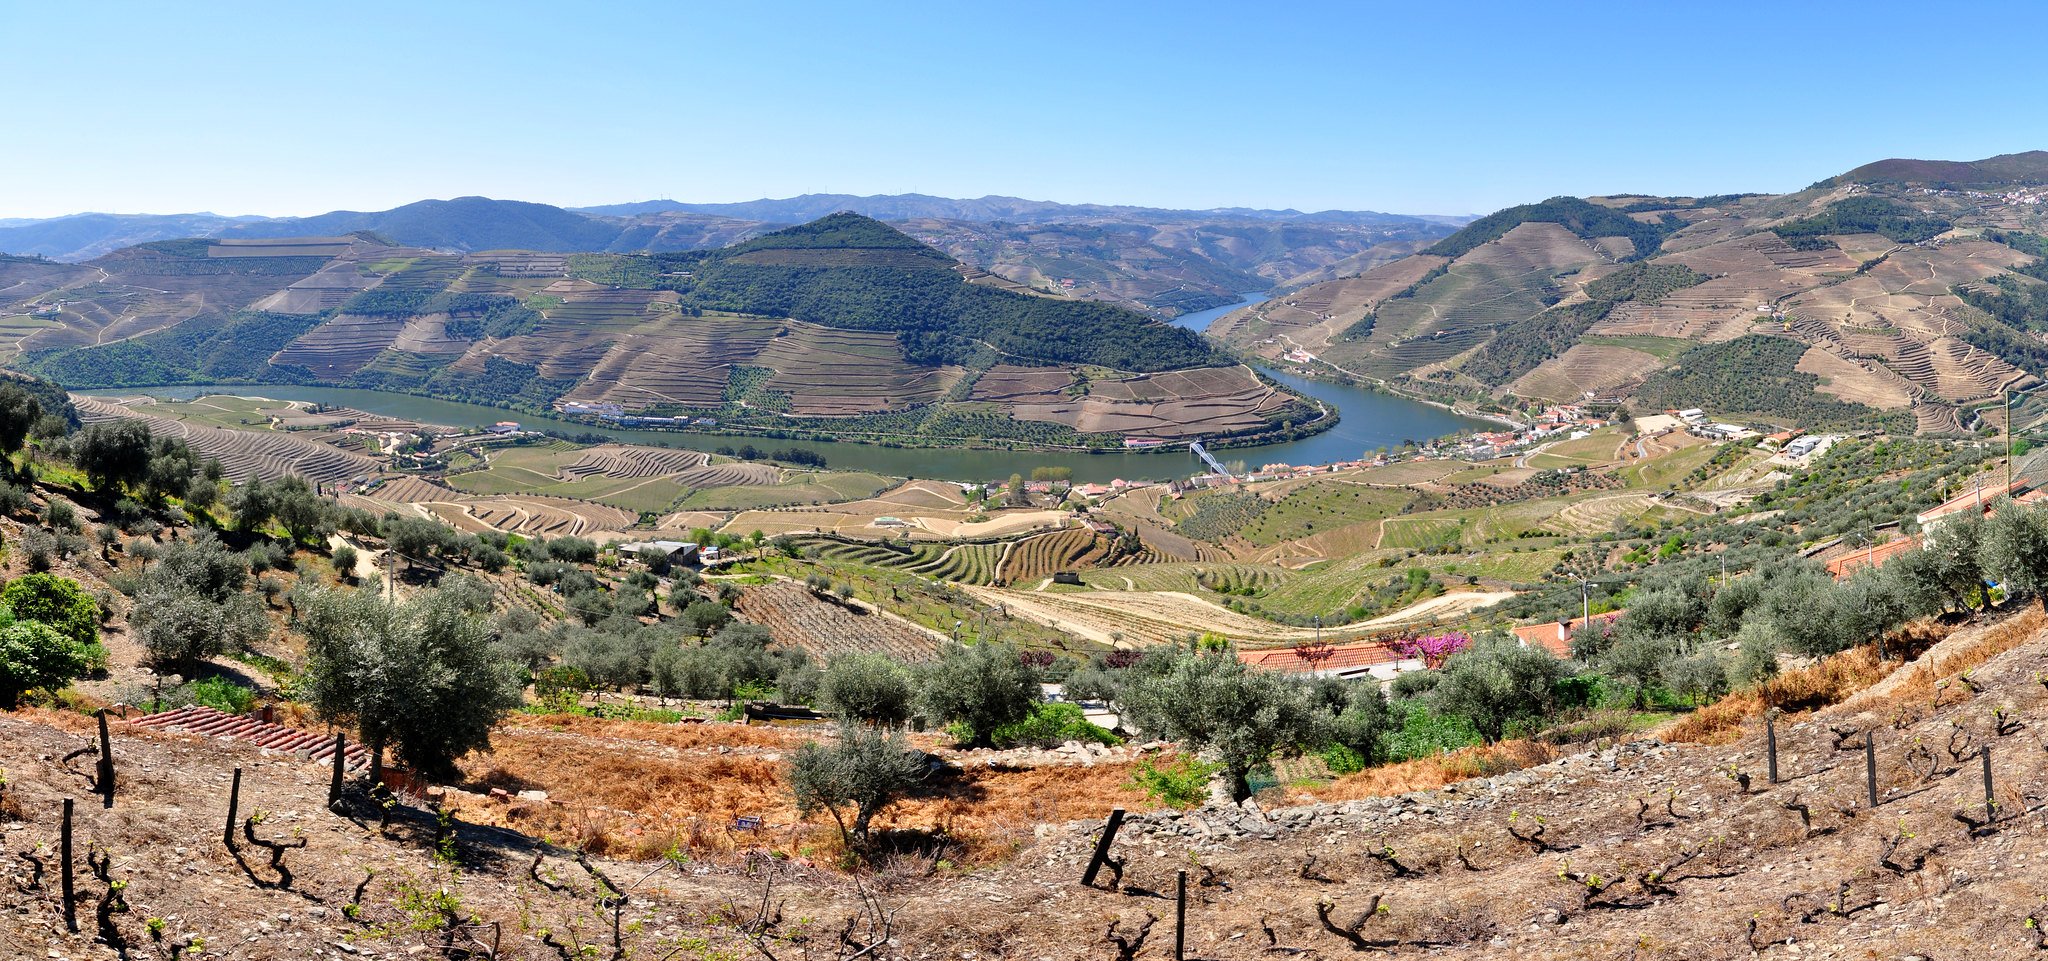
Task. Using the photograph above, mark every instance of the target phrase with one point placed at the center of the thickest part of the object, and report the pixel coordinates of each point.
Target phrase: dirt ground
(1645, 849)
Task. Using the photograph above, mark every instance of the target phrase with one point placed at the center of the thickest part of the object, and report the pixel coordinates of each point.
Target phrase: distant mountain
(84, 236)
(2030, 167)
(992, 208)
(1165, 262)
(465, 223)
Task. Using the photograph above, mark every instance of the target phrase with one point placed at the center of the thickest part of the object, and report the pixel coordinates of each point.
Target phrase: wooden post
(64, 853)
(1180, 917)
(227, 834)
(106, 777)
(1116, 820)
(1771, 743)
(1870, 764)
(334, 783)
(1990, 803)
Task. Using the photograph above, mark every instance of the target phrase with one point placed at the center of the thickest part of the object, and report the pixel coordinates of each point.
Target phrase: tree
(1018, 497)
(35, 656)
(2014, 549)
(871, 688)
(704, 617)
(1365, 722)
(19, 411)
(113, 454)
(344, 558)
(56, 601)
(981, 688)
(250, 505)
(414, 538)
(865, 770)
(172, 465)
(180, 627)
(1953, 550)
(422, 678)
(1496, 682)
(1218, 704)
(301, 512)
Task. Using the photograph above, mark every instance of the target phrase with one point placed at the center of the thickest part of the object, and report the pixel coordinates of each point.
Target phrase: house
(1693, 415)
(1872, 556)
(1364, 659)
(887, 521)
(1556, 636)
(1979, 500)
(1104, 528)
(679, 552)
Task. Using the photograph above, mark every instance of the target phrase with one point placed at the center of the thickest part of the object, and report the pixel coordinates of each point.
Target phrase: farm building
(679, 552)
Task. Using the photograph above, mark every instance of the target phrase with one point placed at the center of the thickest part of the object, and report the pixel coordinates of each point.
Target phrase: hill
(1898, 300)
(844, 327)
(2030, 167)
(1165, 262)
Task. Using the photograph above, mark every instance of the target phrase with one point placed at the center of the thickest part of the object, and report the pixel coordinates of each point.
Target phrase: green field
(1662, 348)
(1322, 506)
(828, 487)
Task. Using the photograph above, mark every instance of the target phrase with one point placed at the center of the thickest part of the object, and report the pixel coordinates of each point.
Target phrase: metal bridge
(1215, 465)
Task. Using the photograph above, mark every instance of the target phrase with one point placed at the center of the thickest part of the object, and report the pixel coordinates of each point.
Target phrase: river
(1370, 420)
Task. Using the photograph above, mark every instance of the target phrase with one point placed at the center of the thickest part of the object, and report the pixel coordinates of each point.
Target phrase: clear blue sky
(1437, 107)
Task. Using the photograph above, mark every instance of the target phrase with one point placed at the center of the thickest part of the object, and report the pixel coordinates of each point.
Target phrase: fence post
(1990, 803)
(106, 776)
(1771, 741)
(1870, 764)
(1180, 917)
(64, 869)
(1116, 820)
(227, 834)
(334, 783)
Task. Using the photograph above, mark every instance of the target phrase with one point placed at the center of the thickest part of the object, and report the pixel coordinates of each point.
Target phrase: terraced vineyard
(243, 453)
(825, 629)
(618, 460)
(1042, 556)
(968, 564)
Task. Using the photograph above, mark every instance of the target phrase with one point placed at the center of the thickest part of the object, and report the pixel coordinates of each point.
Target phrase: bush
(56, 601)
(344, 558)
(1051, 725)
(871, 688)
(35, 656)
(218, 693)
(1182, 784)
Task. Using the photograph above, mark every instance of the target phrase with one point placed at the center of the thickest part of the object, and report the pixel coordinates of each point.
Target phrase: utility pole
(1585, 602)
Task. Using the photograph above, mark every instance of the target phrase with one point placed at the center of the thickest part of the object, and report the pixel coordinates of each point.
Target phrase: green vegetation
(1526, 344)
(1588, 220)
(1866, 214)
(1755, 375)
(230, 348)
(912, 290)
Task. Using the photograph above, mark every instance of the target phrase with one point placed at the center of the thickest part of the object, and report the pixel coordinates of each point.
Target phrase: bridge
(1215, 465)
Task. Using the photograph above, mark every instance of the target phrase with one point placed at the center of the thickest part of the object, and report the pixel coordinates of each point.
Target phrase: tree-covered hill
(1581, 217)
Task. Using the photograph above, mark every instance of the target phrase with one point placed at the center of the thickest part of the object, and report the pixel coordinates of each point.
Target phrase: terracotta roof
(1980, 499)
(1846, 564)
(1556, 636)
(1342, 657)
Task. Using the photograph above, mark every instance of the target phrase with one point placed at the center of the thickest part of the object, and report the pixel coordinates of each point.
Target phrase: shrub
(218, 693)
(1182, 784)
(56, 601)
(872, 688)
(1051, 725)
(35, 656)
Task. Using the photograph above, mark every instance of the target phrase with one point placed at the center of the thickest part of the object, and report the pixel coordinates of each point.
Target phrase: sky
(1440, 107)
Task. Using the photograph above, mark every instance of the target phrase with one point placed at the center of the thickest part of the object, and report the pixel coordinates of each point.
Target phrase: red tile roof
(1848, 563)
(1556, 636)
(1342, 657)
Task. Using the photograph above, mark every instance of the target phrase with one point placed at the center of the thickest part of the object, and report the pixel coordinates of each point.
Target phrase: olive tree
(980, 688)
(872, 688)
(1217, 704)
(1497, 682)
(422, 678)
(865, 770)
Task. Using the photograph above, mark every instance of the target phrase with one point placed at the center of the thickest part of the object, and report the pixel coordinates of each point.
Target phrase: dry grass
(1430, 773)
(635, 790)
